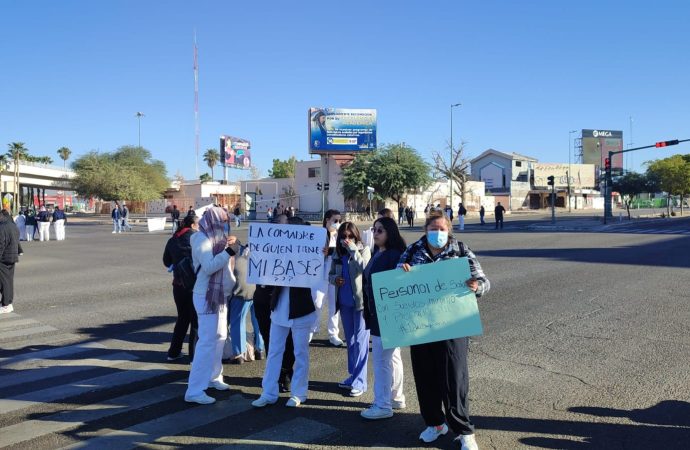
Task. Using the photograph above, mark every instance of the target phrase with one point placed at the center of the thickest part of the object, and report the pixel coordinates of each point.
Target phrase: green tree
(392, 170)
(672, 175)
(64, 154)
(211, 156)
(205, 177)
(283, 169)
(628, 186)
(129, 173)
(18, 153)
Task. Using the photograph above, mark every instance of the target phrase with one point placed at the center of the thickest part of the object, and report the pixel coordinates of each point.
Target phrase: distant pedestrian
(498, 214)
(21, 224)
(31, 225)
(409, 214)
(59, 221)
(116, 215)
(482, 211)
(9, 255)
(175, 217)
(125, 218)
(269, 214)
(401, 214)
(191, 212)
(238, 216)
(462, 212)
(44, 218)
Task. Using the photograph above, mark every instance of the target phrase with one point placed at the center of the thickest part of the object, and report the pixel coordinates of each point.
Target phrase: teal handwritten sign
(427, 304)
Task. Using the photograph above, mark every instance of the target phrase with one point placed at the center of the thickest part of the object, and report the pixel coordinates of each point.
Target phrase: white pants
(388, 374)
(29, 232)
(301, 328)
(326, 292)
(462, 222)
(43, 231)
(59, 229)
(208, 353)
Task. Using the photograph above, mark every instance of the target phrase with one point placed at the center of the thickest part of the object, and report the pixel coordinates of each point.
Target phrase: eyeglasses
(378, 230)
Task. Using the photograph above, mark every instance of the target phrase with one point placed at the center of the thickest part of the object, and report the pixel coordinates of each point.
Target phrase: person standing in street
(175, 218)
(31, 224)
(401, 214)
(44, 218)
(440, 369)
(388, 366)
(211, 253)
(409, 213)
(482, 211)
(59, 221)
(177, 248)
(349, 260)
(9, 256)
(125, 218)
(116, 215)
(21, 224)
(498, 214)
(462, 212)
(238, 216)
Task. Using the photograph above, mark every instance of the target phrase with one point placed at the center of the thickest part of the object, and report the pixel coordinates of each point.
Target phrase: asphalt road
(586, 345)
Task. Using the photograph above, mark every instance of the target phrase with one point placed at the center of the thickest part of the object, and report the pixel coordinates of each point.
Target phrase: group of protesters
(286, 318)
(36, 226)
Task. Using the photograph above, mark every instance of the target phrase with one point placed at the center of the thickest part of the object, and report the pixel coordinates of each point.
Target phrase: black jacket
(301, 302)
(387, 260)
(177, 248)
(9, 240)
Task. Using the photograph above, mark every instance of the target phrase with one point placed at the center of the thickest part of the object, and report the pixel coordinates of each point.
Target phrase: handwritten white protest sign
(286, 255)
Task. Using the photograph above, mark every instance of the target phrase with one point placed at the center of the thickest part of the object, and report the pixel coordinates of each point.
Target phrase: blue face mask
(437, 239)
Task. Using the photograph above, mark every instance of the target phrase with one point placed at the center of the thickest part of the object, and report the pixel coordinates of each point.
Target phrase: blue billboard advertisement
(336, 130)
(235, 152)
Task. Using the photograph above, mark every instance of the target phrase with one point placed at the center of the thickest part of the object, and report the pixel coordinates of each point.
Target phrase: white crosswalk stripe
(43, 392)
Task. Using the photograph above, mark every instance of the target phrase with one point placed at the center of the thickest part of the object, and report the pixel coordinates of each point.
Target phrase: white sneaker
(398, 404)
(356, 392)
(6, 309)
(335, 341)
(430, 434)
(262, 401)
(376, 413)
(114, 232)
(467, 442)
(219, 386)
(201, 399)
(293, 402)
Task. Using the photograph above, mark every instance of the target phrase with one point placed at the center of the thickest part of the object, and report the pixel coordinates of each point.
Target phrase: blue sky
(74, 74)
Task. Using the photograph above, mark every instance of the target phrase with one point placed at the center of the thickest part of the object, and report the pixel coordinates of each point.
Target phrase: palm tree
(205, 177)
(17, 152)
(211, 157)
(64, 154)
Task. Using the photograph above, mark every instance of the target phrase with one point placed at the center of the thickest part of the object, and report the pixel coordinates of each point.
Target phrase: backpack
(184, 272)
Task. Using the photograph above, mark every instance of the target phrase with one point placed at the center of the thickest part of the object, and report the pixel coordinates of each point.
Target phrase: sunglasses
(378, 230)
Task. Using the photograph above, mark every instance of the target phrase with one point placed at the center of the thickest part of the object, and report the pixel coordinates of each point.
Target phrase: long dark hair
(330, 213)
(345, 227)
(393, 239)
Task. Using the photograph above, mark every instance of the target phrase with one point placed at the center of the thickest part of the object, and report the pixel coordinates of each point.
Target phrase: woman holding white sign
(440, 368)
(388, 366)
(349, 260)
(211, 253)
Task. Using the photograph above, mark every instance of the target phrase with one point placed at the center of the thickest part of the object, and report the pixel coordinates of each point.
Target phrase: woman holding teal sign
(440, 368)
(388, 367)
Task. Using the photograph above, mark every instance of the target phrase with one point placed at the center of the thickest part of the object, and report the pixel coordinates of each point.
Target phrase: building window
(518, 163)
(314, 172)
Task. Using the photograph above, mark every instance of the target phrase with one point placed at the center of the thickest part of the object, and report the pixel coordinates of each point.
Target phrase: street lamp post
(139, 115)
(570, 170)
(450, 167)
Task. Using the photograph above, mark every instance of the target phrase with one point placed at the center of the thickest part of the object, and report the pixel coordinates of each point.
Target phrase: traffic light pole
(608, 211)
(553, 204)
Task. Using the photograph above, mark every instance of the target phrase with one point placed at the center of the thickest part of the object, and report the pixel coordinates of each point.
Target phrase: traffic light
(666, 143)
(326, 186)
(318, 186)
(551, 181)
(607, 164)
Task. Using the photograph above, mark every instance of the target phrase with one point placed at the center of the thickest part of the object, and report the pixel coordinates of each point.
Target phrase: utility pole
(569, 168)
(139, 115)
(450, 167)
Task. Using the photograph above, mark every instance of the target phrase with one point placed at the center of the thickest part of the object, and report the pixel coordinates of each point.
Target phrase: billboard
(581, 175)
(336, 130)
(235, 152)
(596, 145)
